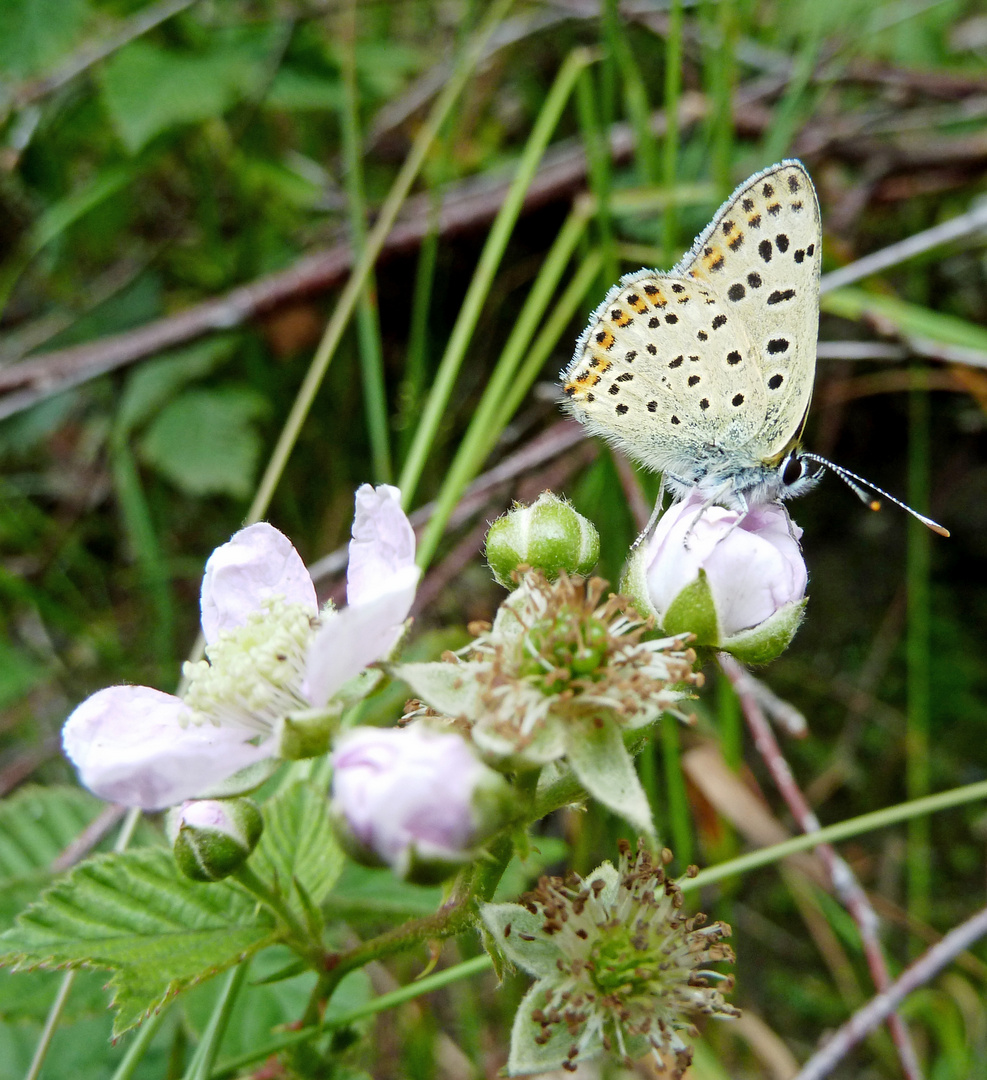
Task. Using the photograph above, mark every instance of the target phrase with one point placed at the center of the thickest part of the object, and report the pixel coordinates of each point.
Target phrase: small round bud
(415, 799)
(549, 536)
(736, 581)
(214, 837)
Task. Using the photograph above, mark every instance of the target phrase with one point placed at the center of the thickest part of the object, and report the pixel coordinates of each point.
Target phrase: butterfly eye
(792, 471)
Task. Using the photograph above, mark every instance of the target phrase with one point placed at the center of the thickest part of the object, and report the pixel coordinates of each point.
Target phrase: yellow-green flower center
(253, 674)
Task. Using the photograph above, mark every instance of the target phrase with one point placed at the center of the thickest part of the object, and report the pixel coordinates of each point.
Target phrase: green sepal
(769, 639)
(528, 1055)
(634, 581)
(449, 688)
(306, 733)
(605, 768)
(694, 612)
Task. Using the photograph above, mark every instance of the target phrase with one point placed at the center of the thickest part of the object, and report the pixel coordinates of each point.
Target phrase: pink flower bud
(737, 581)
(415, 799)
(214, 837)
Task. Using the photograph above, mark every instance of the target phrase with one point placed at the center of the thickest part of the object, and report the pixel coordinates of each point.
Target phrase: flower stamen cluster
(253, 673)
(568, 649)
(631, 969)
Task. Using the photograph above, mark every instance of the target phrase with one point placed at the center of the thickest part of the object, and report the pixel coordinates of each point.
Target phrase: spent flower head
(619, 966)
(566, 671)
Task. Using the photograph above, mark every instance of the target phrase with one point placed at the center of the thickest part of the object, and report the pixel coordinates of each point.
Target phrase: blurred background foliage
(179, 186)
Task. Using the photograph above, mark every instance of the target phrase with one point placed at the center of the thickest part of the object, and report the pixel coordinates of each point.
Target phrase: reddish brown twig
(468, 205)
(844, 882)
(882, 1008)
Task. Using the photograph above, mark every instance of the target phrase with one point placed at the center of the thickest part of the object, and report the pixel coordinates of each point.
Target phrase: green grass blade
(917, 740)
(482, 280)
(489, 420)
(367, 321)
(375, 241)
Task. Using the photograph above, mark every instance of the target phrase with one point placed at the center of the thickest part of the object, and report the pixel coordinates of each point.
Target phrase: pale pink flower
(413, 798)
(270, 651)
(751, 562)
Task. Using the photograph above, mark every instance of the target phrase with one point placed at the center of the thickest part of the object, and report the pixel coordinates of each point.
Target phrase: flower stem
(301, 939)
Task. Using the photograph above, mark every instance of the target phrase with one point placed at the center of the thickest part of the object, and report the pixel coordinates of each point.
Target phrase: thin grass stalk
(792, 107)
(207, 1050)
(723, 85)
(556, 325)
(917, 742)
(143, 539)
(488, 420)
(670, 144)
(676, 797)
(412, 389)
(490, 258)
(375, 241)
(367, 320)
(140, 1044)
(600, 175)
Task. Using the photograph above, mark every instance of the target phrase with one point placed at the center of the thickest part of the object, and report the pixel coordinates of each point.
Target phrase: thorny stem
(455, 916)
(882, 1007)
(844, 882)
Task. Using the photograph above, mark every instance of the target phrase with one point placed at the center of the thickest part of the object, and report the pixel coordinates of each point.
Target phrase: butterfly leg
(655, 514)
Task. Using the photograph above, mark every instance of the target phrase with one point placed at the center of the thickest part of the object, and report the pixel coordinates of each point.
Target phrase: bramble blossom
(270, 653)
(735, 580)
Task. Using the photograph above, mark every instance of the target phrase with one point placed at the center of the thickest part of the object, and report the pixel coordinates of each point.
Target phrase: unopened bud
(415, 799)
(214, 837)
(736, 581)
(549, 536)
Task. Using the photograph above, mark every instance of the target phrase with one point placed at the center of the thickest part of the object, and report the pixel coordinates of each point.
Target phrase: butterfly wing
(761, 256)
(666, 372)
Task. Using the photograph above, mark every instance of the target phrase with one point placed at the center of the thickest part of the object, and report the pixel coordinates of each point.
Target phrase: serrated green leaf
(204, 441)
(135, 914)
(606, 770)
(298, 845)
(36, 825)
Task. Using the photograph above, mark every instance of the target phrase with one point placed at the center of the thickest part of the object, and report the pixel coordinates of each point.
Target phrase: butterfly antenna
(858, 484)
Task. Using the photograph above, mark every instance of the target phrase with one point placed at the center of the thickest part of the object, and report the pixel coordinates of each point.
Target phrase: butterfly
(705, 373)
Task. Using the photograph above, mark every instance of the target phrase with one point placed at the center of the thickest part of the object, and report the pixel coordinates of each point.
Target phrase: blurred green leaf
(36, 825)
(909, 320)
(151, 385)
(300, 91)
(204, 441)
(34, 34)
(147, 89)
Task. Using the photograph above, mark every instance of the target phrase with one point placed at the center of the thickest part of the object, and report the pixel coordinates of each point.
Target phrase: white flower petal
(258, 562)
(358, 635)
(129, 746)
(383, 544)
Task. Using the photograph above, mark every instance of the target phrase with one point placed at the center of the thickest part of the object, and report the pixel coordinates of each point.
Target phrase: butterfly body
(705, 373)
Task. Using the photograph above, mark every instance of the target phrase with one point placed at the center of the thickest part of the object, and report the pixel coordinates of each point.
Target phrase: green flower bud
(549, 536)
(214, 837)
